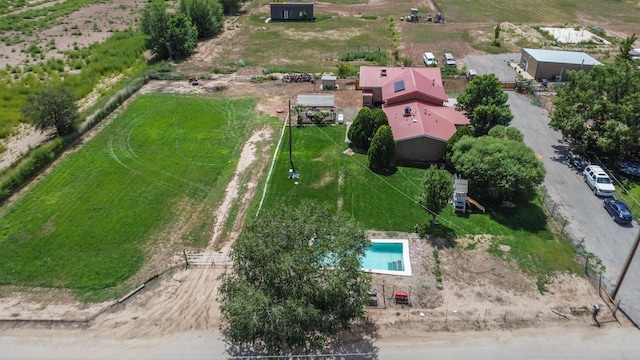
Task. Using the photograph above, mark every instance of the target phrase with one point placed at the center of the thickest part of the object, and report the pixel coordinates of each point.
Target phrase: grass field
(546, 11)
(91, 223)
(388, 202)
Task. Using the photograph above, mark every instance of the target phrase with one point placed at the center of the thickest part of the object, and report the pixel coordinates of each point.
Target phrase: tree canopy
(485, 103)
(599, 111)
(296, 278)
(53, 108)
(169, 34)
(365, 126)
(206, 15)
(501, 131)
(438, 190)
(383, 148)
(499, 167)
(625, 48)
(361, 128)
(231, 7)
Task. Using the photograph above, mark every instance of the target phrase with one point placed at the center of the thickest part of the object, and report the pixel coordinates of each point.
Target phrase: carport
(318, 103)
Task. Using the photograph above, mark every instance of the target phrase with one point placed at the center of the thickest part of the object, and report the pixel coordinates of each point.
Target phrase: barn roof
(563, 57)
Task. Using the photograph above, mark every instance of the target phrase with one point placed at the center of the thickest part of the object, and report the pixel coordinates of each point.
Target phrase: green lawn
(387, 201)
(90, 223)
(378, 201)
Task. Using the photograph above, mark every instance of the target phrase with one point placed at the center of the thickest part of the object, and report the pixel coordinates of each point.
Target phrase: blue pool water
(384, 256)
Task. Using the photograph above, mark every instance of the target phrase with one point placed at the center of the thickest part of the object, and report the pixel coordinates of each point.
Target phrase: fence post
(563, 225)
(586, 265)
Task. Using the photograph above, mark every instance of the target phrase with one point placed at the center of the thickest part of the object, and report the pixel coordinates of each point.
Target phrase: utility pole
(290, 141)
(626, 266)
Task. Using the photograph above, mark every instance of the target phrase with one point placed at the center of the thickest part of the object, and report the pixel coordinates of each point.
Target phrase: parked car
(618, 210)
(577, 161)
(449, 60)
(471, 73)
(598, 180)
(429, 59)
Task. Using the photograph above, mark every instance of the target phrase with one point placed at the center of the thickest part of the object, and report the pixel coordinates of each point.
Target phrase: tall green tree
(296, 278)
(485, 117)
(53, 108)
(360, 130)
(461, 131)
(383, 148)
(169, 34)
(378, 118)
(499, 167)
(206, 15)
(437, 192)
(599, 111)
(485, 103)
(182, 36)
(625, 48)
(231, 7)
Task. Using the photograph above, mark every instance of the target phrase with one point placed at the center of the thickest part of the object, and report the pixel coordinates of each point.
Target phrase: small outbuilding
(315, 105)
(553, 65)
(292, 11)
(329, 82)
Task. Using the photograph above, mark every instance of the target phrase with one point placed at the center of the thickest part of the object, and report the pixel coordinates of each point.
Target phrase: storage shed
(553, 65)
(329, 82)
(292, 11)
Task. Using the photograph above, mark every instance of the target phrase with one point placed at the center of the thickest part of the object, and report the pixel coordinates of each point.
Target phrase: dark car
(577, 161)
(618, 210)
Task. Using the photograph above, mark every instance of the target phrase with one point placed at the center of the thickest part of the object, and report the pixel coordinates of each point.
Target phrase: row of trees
(599, 111)
(174, 34)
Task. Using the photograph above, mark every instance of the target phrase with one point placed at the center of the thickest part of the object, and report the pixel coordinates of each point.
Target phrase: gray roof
(329, 77)
(563, 57)
(316, 100)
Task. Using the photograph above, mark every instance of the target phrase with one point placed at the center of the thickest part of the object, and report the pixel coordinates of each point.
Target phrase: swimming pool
(387, 256)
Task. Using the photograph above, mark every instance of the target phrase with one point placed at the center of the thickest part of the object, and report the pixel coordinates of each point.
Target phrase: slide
(476, 204)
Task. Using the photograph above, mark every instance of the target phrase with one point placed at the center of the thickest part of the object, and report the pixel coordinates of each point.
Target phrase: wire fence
(544, 101)
(593, 267)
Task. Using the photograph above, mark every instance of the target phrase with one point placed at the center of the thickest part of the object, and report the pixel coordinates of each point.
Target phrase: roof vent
(407, 111)
(383, 72)
(434, 82)
(415, 120)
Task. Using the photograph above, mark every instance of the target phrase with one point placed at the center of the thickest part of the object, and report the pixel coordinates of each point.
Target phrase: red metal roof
(437, 122)
(421, 89)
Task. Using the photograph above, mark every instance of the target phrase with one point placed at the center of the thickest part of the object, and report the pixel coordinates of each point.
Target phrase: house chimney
(407, 110)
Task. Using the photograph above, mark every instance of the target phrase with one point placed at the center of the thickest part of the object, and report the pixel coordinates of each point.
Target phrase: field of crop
(526, 11)
(91, 223)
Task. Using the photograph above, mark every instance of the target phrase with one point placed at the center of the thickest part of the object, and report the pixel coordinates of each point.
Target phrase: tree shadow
(439, 236)
(355, 343)
(521, 214)
(385, 172)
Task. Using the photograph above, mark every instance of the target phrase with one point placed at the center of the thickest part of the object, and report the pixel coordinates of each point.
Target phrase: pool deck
(406, 259)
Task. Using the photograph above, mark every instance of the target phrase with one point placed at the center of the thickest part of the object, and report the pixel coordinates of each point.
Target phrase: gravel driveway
(575, 201)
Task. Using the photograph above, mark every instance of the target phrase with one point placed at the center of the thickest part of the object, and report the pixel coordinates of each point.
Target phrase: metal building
(553, 65)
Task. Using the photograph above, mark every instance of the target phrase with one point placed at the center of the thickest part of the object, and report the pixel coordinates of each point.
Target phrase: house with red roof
(414, 101)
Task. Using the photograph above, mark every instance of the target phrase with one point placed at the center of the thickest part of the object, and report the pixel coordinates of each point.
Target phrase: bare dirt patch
(478, 292)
